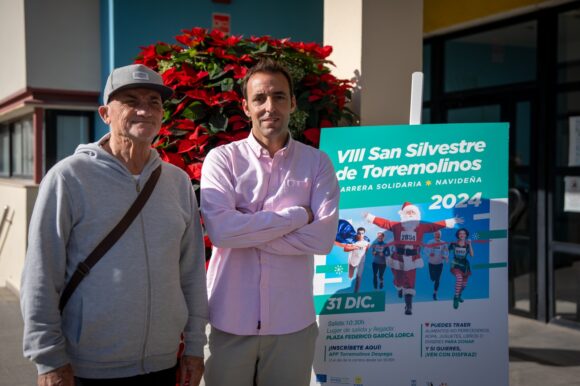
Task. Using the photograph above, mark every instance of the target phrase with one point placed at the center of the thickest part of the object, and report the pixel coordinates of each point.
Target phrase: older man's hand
(190, 370)
(63, 376)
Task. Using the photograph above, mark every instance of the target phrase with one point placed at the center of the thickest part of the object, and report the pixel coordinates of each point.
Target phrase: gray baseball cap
(135, 76)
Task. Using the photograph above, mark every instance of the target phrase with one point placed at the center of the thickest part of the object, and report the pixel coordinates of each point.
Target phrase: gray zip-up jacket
(126, 316)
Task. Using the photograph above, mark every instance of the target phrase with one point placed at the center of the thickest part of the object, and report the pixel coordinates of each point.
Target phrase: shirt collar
(259, 151)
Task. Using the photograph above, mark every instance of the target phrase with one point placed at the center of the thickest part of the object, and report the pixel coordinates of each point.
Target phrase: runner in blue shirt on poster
(380, 251)
(437, 252)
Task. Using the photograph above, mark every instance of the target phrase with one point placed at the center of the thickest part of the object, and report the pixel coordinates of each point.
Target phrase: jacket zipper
(148, 285)
(148, 300)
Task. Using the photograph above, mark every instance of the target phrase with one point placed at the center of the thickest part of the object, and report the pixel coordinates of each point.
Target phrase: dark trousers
(435, 274)
(378, 270)
(159, 378)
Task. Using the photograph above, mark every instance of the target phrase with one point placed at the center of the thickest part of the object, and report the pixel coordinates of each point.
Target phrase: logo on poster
(321, 378)
(433, 384)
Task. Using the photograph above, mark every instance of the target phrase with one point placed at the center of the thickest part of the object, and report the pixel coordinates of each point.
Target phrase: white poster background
(438, 345)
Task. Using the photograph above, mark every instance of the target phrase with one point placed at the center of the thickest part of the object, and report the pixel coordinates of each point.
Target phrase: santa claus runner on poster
(408, 236)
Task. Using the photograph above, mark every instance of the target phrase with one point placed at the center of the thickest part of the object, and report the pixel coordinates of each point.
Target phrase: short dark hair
(462, 230)
(268, 66)
(360, 229)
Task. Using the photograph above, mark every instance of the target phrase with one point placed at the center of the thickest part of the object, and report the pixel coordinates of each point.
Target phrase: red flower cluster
(206, 69)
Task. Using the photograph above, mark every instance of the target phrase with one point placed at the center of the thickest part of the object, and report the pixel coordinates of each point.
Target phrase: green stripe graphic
(333, 268)
(495, 234)
(489, 266)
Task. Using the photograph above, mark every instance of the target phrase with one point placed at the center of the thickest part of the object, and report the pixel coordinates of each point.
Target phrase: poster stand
(416, 98)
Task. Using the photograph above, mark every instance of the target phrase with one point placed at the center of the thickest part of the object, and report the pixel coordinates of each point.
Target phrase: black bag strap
(84, 267)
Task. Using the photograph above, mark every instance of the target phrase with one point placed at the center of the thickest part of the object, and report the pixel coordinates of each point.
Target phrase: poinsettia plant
(205, 70)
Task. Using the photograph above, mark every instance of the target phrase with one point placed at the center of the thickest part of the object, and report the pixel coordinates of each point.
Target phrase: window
(70, 132)
(65, 130)
(16, 143)
(489, 113)
(4, 151)
(492, 58)
(426, 72)
(568, 53)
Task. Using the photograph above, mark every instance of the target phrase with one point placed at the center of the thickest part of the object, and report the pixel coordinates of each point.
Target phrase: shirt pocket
(297, 191)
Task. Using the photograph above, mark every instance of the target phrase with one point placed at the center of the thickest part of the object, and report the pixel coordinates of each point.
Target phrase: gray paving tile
(540, 354)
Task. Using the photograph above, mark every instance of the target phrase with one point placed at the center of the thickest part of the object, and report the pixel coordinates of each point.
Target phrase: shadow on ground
(548, 357)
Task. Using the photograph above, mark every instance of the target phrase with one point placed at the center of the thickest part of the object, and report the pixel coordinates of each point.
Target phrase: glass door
(522, 205)
(564, 229)
(523, 213)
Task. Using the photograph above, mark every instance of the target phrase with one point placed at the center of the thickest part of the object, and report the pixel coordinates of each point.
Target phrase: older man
(122, 323)
(269, 204)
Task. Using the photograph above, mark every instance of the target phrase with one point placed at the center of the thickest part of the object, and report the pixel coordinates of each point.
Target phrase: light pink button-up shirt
(261, 271)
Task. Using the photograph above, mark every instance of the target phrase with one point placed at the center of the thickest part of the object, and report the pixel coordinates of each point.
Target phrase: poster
(419, 205)
(572, 184)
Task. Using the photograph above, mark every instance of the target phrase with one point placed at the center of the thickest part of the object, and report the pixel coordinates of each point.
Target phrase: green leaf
(218, 122)
(166, 116)
(215, 71)
(179, 132)
(162, 49)
(261, 49)
(227, 84)
(195, 111)
(302, 100)
(164, 65)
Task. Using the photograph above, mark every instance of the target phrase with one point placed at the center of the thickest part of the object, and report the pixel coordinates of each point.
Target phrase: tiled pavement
(540, 354)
